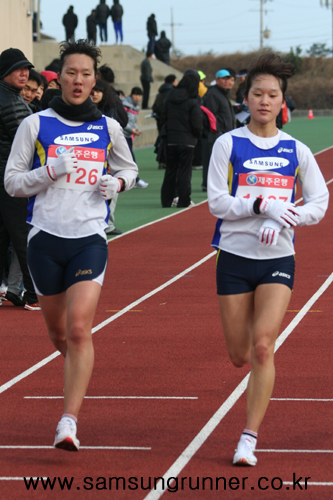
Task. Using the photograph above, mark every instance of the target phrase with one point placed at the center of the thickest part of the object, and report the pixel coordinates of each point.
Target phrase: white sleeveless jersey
(244, 167)
(72, 206)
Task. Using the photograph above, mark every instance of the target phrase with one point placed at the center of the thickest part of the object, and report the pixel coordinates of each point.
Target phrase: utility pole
(264, 33)
(172, 24)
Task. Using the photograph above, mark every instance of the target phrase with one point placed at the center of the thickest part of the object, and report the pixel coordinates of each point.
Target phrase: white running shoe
(141, 184)
(65, 437)
(245, 451)
(175, 201)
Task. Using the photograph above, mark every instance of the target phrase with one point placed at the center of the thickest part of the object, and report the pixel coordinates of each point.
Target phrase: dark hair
(53, 66)
(107, 101)
(44, 81)
(79, 47)
(35, 77)
(149, 53)
(170, 79)
(106, 73)
(232, 72)
(190, 82)
(136, 91)
(269, 64)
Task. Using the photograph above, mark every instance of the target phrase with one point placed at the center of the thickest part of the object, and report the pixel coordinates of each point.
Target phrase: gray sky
(220, 26)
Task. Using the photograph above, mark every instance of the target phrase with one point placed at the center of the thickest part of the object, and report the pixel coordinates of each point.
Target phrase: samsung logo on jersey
(284, 150)
(266, 163)
(95, 127)
(76, 139)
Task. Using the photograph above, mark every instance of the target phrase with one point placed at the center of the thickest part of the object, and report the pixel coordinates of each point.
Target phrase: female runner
(251, 190)
(59, 159)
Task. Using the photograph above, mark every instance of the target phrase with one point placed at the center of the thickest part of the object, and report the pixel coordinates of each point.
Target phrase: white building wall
(16, 26)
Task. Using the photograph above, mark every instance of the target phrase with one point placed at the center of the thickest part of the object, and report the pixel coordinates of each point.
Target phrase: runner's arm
(120, 158)
(314, 189)
(20, 180)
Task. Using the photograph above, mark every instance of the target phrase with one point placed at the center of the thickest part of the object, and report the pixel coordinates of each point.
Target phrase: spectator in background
(52, 79)
(70, 22)
(217, 101)
(241, 75)
(53, 66)
(152, 33)
(29, 91)
(202, 87)
(162, 48)
(103, 96)
(105, 73)
(146, 78)
(102, 14)
(132, 107)
(183, 118)
(14, 73)
(91, 27)
(116, 14)
(170, 82)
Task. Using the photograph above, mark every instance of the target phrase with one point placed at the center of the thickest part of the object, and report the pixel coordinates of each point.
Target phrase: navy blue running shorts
(57, 263)
(235, 274)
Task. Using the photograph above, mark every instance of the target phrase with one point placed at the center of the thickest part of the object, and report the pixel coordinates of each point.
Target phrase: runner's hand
(284, 213)
(109, 186)
(66, 163)
(269, 232)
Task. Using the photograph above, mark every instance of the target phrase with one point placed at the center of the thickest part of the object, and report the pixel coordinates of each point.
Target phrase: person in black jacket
(116, 14)
(162, 48)
(91, 27)
(70, 22)
(146, 78)
(102, 14)
(182, 117)
(14, 74)
(151, 32)
(217, 101)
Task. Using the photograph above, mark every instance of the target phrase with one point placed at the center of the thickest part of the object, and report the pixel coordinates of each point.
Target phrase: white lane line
(294, 451)
(140, 448)
(115, 397)
(308, 484)
(20, 478)
(302, 399)
(45, 361)
(215, 420)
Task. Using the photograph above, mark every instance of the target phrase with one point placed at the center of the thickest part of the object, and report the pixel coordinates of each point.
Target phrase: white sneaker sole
(244, 461)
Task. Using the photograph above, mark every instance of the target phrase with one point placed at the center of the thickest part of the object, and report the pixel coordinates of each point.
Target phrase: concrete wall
(16, 26)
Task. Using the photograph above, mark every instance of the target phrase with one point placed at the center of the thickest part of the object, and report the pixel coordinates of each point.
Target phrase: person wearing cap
(217, 101)
(14, 74)
(52, 79)
(202, 87)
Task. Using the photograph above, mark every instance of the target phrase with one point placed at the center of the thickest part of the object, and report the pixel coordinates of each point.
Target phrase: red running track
(170, 345)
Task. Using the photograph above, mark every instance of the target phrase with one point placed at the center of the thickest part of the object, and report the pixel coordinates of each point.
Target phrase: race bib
(277, 187)
(91, 163)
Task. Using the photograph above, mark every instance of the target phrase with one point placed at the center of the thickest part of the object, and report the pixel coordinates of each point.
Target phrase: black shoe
(114, 232)
(15, 299)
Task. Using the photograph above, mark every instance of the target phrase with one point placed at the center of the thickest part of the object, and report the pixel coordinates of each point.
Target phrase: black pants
(146, 91)
(177, 176)
(14, 228)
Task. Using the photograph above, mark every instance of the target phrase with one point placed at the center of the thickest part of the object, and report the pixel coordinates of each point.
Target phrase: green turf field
(140, 206)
